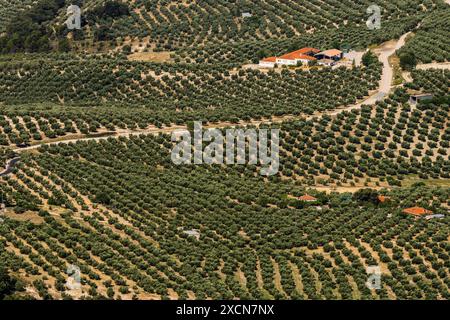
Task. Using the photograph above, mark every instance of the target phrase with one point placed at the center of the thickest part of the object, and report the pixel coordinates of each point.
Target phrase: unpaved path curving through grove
(383, 52)
(9, 166)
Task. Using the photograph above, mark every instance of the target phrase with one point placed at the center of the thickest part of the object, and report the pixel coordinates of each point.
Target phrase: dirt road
(9, 166)
(384, 52)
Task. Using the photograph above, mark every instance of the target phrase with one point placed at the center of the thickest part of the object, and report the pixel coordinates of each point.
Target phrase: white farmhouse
(268, 62)
(303, 56)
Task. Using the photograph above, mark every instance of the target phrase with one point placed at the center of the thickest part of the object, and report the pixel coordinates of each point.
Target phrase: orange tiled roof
(382, 198)
(417, 211)
(307, 197)
(300, 54)
(270, 59)
(331, 52)
(296, 56)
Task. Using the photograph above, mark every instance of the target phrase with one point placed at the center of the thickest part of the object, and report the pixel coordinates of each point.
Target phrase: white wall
(267, 64)
(292, 62)
(287, 62)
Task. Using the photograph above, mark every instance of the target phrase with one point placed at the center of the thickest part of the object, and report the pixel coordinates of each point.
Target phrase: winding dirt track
(9, 166)
(384, 52)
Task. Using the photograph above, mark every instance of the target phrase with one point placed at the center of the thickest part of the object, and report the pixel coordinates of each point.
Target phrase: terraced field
(163, 94)
(433, 80)
(119, 210)
(431, 42)
(92, 190)
(111, 206)
(172, 25)
(11, 8)
(381, 142)
(176, 24)
(345, 38)
(96, 81)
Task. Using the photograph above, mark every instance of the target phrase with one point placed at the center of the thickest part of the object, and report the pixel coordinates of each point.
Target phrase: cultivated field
(89, 192)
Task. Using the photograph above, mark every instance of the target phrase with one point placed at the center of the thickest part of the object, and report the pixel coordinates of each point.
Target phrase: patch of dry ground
(407, 182)
(343, 189)
(26, 216)
(150, 56)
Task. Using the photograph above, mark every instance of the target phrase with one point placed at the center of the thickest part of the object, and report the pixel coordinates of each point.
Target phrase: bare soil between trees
(383, 52)
(386, 83)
